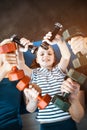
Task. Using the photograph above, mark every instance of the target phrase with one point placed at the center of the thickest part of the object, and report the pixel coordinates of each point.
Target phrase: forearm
(65, 55)
(63, 64)
(76, 110)
(22, 65)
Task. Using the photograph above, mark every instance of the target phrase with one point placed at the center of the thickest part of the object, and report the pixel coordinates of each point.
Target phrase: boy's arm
(22, 65)
(65, 55)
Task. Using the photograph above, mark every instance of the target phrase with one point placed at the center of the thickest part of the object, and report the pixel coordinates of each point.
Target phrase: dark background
(34, 18)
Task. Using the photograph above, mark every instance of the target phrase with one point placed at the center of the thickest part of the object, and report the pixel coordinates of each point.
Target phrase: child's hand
(47, 37)
(31, 100)
(24, 42)
(31, 92)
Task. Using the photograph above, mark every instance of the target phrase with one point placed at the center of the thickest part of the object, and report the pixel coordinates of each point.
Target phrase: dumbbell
(31, 48)
(6, 48)
(72, 32)
(43, 101)
(80, 63)
(58, 28)
(23, 83)
(62, 101)
(14, 74)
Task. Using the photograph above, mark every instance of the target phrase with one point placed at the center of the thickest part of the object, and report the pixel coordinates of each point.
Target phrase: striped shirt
(50, 82)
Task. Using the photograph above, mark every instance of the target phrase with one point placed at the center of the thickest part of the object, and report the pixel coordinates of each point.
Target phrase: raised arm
(65, 53)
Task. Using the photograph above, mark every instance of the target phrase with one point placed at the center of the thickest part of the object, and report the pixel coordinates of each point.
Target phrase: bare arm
(22, 65)
(77, 107)
(65, 54)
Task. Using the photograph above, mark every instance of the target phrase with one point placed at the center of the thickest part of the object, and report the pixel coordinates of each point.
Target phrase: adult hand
(78, 44)
(70, 86)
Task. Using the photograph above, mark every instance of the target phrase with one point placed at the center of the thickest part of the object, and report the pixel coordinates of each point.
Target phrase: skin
(45, 58)
(78, 44)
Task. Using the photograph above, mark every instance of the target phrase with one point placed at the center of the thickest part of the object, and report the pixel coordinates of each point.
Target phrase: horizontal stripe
(50, 82)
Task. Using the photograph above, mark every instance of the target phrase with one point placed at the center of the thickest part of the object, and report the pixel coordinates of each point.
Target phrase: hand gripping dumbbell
(72, 32)
(31, 48)
(43, 101)
(80, 63)
(62, 101)
(14, 74)
(58, 28)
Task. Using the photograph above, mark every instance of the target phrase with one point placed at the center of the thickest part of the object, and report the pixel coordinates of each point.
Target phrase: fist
(78, 44)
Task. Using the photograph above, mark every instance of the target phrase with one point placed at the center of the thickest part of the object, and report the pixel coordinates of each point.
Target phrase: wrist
(31, 106)
(73, 98)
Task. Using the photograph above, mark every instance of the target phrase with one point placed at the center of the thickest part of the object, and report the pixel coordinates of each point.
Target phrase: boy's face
(45, 58)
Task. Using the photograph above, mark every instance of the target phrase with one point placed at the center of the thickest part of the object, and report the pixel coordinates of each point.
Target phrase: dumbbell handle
(58, 27)
(15, 38)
